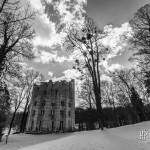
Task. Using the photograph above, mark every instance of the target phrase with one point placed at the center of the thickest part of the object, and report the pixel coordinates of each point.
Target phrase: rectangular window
(40, 125)
(62, 113)
(70, 104)
(52, 125)
(69, 113)
(62, 103)
(32, 124)
(35, 103)
(53, 104)
(61, 127)
(33, 113)
(52, 114)
(42, 112)
(45, 92)
(43, 103)
(56, 92)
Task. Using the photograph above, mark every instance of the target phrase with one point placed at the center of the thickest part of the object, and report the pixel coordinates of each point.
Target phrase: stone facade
(52, 107)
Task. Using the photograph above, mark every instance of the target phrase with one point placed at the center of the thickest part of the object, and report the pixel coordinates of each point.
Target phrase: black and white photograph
(74, 74)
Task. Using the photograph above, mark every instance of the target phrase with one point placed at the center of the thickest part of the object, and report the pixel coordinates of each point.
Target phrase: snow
(121, 138)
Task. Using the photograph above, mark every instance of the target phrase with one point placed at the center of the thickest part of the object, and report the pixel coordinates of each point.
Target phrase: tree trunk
(2, 63)
(23, 120)
(99, 110)
(11, 124)
(115, 115)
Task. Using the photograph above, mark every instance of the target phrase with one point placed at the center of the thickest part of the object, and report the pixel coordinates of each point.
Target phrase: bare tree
(20, 94)
(31, 77)
(17, 97)
(87, 41)
(6, 5)
(15, 32)
(140, 24)
(86, 93)
(127, 80)
(110, 92)
(138, 76)
(123, 76)
(4, 107)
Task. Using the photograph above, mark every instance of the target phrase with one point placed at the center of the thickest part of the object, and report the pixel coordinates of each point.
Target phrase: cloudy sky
(51, 59)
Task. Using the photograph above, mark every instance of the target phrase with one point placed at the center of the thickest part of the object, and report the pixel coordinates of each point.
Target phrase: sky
(51, 58)
(115, 12)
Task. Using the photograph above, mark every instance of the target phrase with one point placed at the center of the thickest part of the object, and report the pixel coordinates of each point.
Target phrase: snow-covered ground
(122, 138)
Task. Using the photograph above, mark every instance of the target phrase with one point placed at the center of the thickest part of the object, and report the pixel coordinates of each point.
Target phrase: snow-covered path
(122, 138)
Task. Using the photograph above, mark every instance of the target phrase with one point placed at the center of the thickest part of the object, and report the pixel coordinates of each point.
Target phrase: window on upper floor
(42, 112)
(69, 113)
(62, 103)
(33, 113)
(62, 113)
(69, 104)
(43, 104)
(35, 103)
(56, 92)
(53, 104)
(52, 112)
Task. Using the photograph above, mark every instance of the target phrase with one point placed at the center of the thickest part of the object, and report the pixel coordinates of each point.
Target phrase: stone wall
(52, 107)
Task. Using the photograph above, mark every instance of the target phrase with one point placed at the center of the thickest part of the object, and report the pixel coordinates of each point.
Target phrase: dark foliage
(147, 81)
(4, 105)
(122, 116)
(138, 104)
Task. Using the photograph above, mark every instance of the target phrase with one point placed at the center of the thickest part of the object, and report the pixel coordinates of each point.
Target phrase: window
(61, 127)
(43, 103)
(32, 124)
(62, 103)
(71, 94)
(42, 112)
(33, 113)
(70, 104)
(52, 114)
(69, 113)
(35, 103)
(61, 113)
(45, 92)
(56, 92)
(52, 125)
(40, 125)
(53, 104)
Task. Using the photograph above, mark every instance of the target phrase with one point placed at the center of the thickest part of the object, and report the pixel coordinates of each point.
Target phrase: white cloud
(44, 28)
(36, 4)
(50, 74)
(46, 34)
(105, 78)
(69, 74)
(51, 40)
(115, 39)
(114, 67)
(46, 57)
